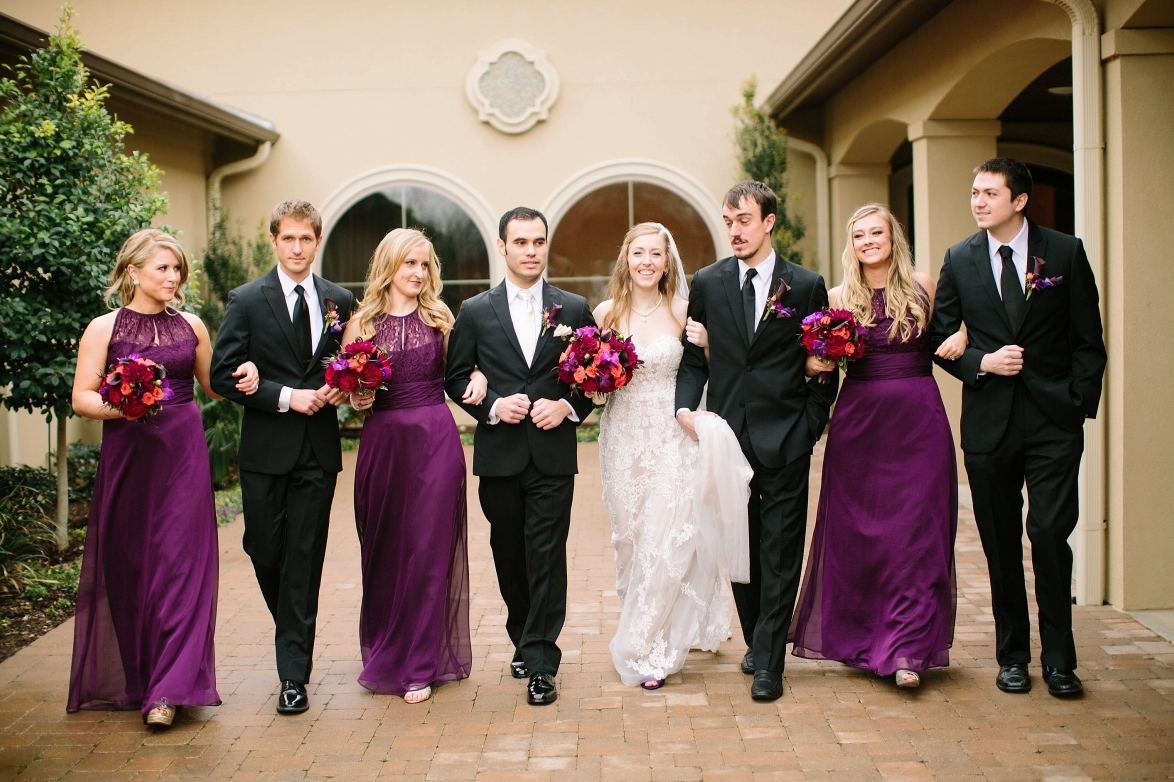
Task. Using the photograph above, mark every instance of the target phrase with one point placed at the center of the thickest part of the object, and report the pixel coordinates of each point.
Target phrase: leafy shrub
(26, 530)
(228, 505)
(83, 468)
(222, 432)
(35, 593)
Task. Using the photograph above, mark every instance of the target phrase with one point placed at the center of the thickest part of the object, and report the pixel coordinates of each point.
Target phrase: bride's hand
(696, 333)
(954, 346)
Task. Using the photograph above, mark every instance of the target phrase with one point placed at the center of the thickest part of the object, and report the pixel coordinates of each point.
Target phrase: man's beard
(744, 251)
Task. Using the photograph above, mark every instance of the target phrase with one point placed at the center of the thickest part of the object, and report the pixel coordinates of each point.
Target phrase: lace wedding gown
(672, 600)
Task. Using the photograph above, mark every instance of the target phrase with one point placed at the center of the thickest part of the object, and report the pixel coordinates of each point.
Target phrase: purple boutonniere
(331, 322)
(548, 316)
(1036, 281)
(774, 305)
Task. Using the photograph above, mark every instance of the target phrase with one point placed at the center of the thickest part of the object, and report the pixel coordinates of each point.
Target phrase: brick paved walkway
(832, 723)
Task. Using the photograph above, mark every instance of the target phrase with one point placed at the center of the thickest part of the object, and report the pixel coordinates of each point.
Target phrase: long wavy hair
(385, 262)
(136, 251)
(904, 299)
(619, 290)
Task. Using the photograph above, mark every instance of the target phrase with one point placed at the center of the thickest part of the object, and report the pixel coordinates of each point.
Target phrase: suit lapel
(782, 275)
(323, 295)
(980, 254)
(1037, 247)
(276, 299)
(497, 298)
(550, 297)
(734, 294)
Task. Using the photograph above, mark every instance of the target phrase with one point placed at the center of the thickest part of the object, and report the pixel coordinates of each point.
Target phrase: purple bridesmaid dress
(410, 513)
(146, 601)
(880, 589)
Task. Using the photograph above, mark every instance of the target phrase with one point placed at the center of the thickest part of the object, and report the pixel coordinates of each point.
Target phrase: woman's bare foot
(418, 696)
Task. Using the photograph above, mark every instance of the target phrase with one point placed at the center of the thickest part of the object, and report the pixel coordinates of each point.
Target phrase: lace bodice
(416, 350)
(877, 338)
(165, 337)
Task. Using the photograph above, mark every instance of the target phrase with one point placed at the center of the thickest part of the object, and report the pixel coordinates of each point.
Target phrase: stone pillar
(945, 153)
(1139, 156)
(852, 186)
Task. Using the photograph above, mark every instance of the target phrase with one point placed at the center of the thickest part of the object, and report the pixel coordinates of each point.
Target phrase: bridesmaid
(879, 590)
(146, 604)
(410, 482)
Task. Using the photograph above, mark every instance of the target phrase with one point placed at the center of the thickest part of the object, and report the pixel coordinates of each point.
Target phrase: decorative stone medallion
(512, 86)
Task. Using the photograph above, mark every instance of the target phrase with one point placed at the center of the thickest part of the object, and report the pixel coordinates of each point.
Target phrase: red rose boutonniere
(548, 316)
(1036, 281)
(332, 323)
(774, 305)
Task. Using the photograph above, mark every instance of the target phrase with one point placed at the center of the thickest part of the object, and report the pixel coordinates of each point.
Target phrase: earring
(136, 282)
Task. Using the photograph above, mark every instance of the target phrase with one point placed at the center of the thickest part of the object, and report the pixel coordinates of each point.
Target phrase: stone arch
(875, 143)
(990, 86)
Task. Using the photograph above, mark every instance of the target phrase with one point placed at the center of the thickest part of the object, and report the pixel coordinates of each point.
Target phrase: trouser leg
(746, 596)
(504, 506)
(263, 497)
(548, 501)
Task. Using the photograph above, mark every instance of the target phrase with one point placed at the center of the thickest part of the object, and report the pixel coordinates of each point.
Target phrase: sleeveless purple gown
(880, 589)
(410, 513)
(146, 601)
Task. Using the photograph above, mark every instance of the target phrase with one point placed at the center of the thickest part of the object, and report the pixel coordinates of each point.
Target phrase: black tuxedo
(760, 388)
(288, 461)
(1025, 427)
(527, 475)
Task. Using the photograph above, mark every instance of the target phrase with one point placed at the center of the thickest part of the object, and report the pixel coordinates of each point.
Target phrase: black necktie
(1013, 298)
(301, 324)
(748, 305)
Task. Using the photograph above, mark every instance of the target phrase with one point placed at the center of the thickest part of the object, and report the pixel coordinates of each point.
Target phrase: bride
(673, 599)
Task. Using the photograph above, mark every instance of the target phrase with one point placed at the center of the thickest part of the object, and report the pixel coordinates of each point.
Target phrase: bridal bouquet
(833, 335)
(597, 362)
(135, 386)
(360, 367)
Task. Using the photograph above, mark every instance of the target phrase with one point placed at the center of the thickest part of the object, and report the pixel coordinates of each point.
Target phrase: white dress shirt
(526, 313)
(1018, 257)
(763, 277)
(314, 308)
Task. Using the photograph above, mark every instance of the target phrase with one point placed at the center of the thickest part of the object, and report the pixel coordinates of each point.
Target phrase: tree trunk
(61, 528)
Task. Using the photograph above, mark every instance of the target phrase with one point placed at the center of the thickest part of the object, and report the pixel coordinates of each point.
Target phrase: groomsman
(1032, 374)
(524, 449)
(290, 453)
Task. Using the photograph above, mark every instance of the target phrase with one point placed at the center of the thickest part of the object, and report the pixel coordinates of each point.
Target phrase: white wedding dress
(673, 600)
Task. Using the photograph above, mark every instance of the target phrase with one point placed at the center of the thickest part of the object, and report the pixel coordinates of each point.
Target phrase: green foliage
(26, 532)
(37, 484)
(587, 433)
(228, 504)
(70, 195)
(762, 155)
(350, 443)
(222, 432)
(229, 262)
(83, 469)
(35, 593)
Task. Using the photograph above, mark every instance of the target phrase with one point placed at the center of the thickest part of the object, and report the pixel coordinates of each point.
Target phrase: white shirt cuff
(283, 399)
(492, 418)
(573, 415)
(682, 410)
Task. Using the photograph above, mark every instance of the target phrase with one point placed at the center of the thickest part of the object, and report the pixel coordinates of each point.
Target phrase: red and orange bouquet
(598, 362)
(359, 368)
(135, 386)
(835, 336)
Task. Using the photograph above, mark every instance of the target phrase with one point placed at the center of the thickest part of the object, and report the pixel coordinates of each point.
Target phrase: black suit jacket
(484, 338)
(761, 383)
(257, 328)
(1063, 349)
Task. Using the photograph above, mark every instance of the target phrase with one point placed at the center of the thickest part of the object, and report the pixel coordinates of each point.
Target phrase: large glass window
(464, 261)
(584, 246)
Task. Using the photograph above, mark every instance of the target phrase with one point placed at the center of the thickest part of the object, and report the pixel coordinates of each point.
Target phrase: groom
(1032, 374)
(524, 449)
(290, 454)
(758, 376)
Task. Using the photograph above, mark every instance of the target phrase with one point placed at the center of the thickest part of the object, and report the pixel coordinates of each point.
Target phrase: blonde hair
(136, 251)
(620, 287)
(388, 257)
(903, 297)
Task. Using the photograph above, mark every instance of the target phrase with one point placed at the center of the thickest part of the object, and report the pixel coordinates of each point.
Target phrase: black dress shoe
(541, 690)
(292, 699)
(1062, 684)
(768, 686)
(518, 667)
(1013, 678)
(748, 663)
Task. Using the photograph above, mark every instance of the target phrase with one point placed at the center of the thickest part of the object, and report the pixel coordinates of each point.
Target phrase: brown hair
(620, 287)
(768, 202)
(386, 261)
(295, 210)
(136, 251)
(1016, 175)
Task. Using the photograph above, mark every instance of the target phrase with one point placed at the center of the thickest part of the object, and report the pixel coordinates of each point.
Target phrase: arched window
(464, 260)
(586, 241)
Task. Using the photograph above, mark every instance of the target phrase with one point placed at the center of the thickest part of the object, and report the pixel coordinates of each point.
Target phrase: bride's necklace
(644, 315)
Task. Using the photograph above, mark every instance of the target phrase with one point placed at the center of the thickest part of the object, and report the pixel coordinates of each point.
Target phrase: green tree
(762, 156)
(69, 196)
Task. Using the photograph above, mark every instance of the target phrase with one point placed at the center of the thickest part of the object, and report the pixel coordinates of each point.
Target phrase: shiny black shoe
(1013, 678)
(541, 690)
(748, 663)
(518, 667)
(768, 686)
(1062, 684)
(292, 699)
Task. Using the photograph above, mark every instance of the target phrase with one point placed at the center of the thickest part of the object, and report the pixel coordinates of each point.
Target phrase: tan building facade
(604, 114)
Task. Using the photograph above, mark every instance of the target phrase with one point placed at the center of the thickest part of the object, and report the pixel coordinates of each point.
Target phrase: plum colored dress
(410, 510)
(880, 588)
(146, 601)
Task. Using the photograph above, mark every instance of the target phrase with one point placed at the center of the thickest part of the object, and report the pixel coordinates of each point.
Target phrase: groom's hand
(331, 396)
(305, 401)
(512, 409)
(549, 413)
(1006, 361)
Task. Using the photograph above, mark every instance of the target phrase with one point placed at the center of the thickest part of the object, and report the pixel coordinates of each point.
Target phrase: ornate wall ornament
(512, 86)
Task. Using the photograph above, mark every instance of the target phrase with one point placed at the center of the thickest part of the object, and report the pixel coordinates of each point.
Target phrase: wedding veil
(682, 285)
